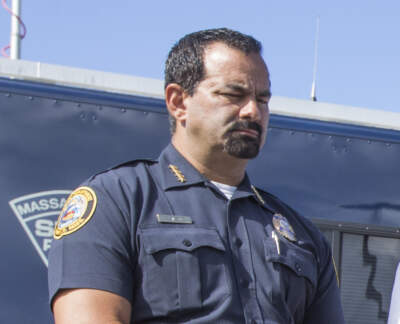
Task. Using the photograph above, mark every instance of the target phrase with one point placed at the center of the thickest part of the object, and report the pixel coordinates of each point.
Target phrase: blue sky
(359, 44)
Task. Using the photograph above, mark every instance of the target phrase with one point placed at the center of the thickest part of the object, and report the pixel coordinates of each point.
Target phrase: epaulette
(269, 198)
(130, 163)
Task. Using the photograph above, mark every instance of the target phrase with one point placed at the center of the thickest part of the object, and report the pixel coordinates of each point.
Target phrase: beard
(240, 145)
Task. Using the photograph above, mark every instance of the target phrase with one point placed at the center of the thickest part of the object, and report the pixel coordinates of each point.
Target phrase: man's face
(229, 111)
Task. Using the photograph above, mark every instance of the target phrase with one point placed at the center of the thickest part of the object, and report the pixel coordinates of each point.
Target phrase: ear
(174, 97)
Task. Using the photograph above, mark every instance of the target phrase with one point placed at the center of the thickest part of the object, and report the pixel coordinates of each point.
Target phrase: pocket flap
(183, 238)
(299, 260)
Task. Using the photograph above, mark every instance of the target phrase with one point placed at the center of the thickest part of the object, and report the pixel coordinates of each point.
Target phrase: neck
(214, 165)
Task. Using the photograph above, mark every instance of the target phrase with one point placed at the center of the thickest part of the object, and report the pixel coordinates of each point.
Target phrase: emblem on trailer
(37, 214)
(77, 211)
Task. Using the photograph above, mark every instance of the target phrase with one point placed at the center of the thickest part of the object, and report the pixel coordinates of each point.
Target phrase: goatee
(241, 145)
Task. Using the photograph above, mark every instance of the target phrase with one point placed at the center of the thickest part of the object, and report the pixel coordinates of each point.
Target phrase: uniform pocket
(184, 268)
(299, 261)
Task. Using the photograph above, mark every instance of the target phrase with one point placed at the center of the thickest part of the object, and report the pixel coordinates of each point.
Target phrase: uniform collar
(246, 189)
(176, 171)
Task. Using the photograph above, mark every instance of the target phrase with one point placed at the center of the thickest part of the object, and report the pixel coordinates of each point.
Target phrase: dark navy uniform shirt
(165, 238)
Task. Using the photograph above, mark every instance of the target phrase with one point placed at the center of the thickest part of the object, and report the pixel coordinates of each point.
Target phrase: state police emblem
(77, 211)
(37, 214)
(282, 225)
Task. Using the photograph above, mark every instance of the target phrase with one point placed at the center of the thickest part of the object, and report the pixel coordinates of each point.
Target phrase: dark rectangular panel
(368, 267)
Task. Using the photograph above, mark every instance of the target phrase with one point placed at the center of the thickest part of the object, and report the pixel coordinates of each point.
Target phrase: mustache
(245, 124)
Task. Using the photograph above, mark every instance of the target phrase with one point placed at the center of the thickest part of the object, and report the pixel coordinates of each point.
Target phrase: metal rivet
(186, 242)
(298, 267)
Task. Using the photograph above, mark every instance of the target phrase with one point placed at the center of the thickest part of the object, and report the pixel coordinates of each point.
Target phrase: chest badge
(178, 174)
(282, 225)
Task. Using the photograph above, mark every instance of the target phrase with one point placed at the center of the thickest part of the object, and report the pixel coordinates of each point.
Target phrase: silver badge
(282, 225)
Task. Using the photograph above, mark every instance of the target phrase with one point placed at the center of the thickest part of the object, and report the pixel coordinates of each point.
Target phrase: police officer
(187, 238)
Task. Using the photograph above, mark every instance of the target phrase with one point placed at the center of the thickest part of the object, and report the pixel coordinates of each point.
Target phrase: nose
(252, 110)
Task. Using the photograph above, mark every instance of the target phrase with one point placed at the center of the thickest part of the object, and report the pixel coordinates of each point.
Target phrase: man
(187, 238)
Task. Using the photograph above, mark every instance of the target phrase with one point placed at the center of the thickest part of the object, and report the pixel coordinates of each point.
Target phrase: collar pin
(260, 199)
(178, 174)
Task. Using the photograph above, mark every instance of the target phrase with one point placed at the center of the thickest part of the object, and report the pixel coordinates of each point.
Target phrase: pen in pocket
(276, 238)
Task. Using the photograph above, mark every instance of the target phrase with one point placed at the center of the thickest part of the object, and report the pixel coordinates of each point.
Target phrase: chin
(242, 148)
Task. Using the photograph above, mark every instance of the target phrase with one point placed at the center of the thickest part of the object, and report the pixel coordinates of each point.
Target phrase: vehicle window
(367, 267)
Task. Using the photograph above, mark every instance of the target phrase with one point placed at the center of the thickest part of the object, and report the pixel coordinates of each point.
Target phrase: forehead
(221, 60)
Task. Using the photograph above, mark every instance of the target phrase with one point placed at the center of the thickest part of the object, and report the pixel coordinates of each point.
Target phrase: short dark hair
(185, 62)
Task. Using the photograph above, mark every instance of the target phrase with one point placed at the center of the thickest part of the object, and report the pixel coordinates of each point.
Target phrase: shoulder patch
(77, 211)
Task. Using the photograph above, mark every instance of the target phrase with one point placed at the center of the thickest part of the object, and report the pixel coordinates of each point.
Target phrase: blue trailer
(338, 166)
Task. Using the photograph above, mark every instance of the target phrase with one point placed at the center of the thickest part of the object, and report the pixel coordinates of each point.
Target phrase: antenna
(313, 90)
(15, 42)
(16, 36)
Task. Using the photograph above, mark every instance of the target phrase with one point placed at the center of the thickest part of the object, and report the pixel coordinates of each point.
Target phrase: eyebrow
(242, 89)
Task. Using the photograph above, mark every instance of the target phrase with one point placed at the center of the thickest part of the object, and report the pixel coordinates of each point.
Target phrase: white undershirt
(227, 190)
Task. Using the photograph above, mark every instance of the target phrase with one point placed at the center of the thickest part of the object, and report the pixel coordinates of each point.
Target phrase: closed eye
(235, 95)
(263, 100)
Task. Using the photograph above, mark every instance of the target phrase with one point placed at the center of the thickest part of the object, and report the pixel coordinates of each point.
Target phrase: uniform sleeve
(326, 307)
(100, 253)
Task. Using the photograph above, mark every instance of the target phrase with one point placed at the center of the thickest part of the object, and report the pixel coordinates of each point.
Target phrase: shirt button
(244, 283)
(298, 267)
(238, 242)
(186, 242)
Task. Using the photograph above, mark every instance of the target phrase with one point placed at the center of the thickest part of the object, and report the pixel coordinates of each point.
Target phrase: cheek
(265, 118)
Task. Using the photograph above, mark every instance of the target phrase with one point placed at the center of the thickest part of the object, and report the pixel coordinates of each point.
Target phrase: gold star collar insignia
(178, 174)
(260, 199)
